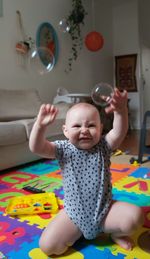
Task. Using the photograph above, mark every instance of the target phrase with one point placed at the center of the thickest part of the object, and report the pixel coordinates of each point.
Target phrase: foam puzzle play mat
(24, 215)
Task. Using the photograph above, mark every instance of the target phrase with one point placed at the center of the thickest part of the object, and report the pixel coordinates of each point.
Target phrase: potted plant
(74, 20)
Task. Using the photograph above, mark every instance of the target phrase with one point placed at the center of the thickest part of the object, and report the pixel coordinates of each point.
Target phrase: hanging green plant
(74, 21)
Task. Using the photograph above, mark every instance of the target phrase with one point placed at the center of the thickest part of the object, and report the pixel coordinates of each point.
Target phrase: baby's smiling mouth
(84, 138)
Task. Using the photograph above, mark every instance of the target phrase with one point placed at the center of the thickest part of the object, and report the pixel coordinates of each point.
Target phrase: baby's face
(83, 126)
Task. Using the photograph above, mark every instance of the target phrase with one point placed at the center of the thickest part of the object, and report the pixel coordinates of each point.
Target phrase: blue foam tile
(24, 250)
(41, 168)
(141, 172)
(134, 198)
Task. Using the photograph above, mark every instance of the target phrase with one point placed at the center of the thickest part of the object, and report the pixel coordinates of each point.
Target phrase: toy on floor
(143, 241)
(134, 161)
(33, 186)
(2, 256)
(33, 189)
(33, 204)
(117, 152)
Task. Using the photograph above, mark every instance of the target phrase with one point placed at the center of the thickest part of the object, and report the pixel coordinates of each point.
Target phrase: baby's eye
(92, 125)
(76, 126)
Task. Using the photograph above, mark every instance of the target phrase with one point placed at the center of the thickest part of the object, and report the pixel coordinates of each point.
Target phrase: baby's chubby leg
(122, 220)
(60, 233)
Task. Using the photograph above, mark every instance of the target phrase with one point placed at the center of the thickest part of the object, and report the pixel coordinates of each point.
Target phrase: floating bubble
(41, 60)
(64, 26)
(102, 94)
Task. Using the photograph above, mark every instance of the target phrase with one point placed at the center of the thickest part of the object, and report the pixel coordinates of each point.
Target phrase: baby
(84, 158)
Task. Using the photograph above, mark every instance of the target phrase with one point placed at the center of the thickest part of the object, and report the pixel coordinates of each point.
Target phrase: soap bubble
(64, 26)
(41, 60)
(102, 94)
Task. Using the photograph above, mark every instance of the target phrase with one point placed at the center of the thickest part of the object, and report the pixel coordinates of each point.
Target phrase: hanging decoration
(24, 45)
(46, 37)
(94, 40)
(44, 56)
(40, 56)
(73, 26)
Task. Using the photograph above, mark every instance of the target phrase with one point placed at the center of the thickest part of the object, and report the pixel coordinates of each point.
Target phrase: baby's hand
(47, 114)
(118, 102)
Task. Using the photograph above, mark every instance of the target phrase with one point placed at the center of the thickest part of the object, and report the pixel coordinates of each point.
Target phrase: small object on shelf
(32, 204)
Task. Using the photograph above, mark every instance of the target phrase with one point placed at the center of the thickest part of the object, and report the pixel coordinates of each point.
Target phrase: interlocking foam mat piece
(19, 235)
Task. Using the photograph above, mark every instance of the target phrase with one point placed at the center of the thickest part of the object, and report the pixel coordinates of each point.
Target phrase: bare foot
(124, 242)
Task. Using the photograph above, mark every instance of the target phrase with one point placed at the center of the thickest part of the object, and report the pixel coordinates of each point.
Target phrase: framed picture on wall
(125, 69)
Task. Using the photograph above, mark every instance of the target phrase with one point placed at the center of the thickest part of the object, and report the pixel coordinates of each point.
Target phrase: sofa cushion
(18, 131)
(12, 133)
(28, 124)
(18, 104)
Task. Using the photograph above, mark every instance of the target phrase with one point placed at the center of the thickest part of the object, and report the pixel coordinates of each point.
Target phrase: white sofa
(18, 110)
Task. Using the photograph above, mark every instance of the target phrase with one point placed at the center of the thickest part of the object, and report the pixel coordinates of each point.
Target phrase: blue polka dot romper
(87, 184)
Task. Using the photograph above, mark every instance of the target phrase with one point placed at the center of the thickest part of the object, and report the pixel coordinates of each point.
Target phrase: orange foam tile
(119, 171)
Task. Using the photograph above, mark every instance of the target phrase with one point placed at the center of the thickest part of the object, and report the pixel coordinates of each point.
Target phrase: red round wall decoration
(94, 41)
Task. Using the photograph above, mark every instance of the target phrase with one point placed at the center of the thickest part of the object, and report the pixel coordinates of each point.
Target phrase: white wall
(144, 21)
(100, 20)
(126, 41)
(89, 69)
(144, 25)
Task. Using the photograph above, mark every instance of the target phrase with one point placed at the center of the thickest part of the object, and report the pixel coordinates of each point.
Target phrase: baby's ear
(65, 131)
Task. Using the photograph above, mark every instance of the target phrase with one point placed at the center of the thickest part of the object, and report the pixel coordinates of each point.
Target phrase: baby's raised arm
(38, 143)
(118, 106)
